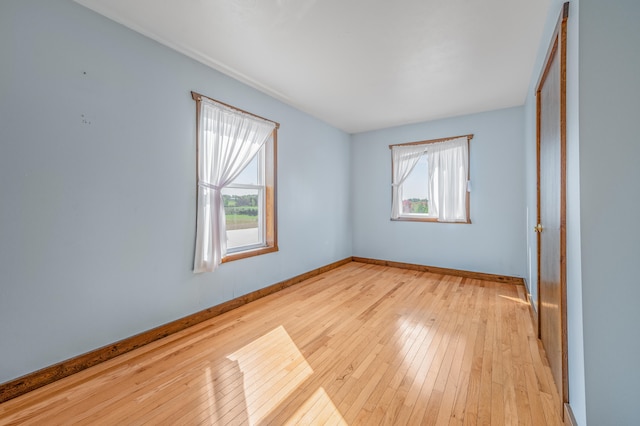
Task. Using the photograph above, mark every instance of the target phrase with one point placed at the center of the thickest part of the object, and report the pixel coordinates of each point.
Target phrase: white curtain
(227, 141)
(404, 159)
(448, 164)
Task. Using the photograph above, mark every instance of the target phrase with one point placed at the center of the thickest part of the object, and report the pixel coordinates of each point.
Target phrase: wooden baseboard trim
(443, 271)
(47, 375)
(569, 418)
(533, 314)
(50, 374)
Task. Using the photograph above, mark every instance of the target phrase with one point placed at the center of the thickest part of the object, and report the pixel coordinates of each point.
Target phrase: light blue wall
(609, 205)
(97, 186)
(493, 243)
(574, 260)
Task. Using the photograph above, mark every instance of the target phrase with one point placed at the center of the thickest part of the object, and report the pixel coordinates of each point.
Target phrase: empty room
(319, 212)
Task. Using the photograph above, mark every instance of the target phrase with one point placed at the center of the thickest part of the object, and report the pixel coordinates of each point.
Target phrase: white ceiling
(356, 64)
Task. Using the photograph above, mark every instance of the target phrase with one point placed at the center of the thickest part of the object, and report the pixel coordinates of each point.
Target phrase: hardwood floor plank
(486, 381)
(361, 344)
(459, 409)
(470, 407)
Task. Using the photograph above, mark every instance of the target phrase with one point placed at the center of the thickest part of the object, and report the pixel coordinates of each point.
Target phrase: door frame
(558, 41)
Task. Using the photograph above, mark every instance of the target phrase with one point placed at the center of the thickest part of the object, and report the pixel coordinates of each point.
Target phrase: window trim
(270, 183)
(423, 218)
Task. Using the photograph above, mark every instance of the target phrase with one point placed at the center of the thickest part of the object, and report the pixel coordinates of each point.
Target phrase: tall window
(236, 167)
(245, 202)
(430, 180)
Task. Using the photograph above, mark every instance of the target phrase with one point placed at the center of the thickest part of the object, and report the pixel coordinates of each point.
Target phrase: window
(415, 197)
(236, 176)
(249, 206)
(243, 201)
(430, 180)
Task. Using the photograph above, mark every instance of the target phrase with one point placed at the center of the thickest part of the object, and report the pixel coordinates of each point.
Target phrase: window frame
(418, 217)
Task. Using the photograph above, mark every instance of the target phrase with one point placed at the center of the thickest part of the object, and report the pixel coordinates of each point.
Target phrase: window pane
(249, 176)
(414, 190)
(244, 216)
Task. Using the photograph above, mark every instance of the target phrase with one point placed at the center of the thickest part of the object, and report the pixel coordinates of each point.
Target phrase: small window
(430, 180)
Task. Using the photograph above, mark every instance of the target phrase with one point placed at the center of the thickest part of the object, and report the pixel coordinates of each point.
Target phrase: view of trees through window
(414, 189)
(241, 211)
(244, 203)
(415, 205)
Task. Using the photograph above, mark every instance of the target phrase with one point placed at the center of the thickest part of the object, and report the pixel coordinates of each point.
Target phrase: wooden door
(551, 142)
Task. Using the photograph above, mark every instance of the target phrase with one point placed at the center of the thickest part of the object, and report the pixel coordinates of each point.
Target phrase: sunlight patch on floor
(515, 299)
(273, 368)
(317, 410)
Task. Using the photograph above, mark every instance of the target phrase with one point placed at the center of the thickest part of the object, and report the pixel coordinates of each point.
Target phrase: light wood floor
(361, 344)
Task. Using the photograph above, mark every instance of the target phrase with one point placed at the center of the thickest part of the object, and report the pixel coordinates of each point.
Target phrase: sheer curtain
(404, 159)
(448, 164)
(227, 141)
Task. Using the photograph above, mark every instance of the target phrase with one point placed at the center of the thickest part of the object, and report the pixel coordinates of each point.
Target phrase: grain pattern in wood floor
(360, 345)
